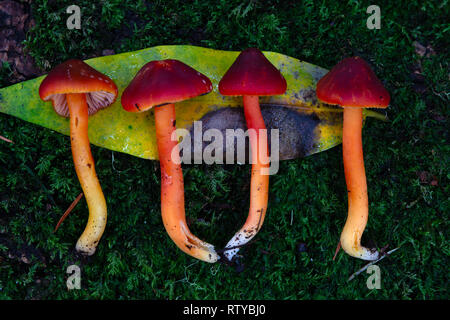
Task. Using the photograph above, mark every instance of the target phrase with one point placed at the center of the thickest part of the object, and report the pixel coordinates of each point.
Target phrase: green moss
(136, 259)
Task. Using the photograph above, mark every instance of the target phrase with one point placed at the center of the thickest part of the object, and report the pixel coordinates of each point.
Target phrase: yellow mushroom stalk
(85, 169)
(355, 177)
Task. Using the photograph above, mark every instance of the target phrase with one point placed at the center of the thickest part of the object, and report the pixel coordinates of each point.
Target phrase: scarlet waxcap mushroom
(253, 75)
(75, 76)
(77, 90)
(353, 85)
(160, 84)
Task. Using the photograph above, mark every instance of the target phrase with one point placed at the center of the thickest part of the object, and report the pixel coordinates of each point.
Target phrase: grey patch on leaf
(296, 129)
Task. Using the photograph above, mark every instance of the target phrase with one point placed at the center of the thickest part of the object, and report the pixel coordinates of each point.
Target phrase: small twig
(376, 115)
(112, 163)
(337, 250)
(64, 216)
(6, 139)
(447, 94)
(186, 278)
(371, 263)
(412, 204)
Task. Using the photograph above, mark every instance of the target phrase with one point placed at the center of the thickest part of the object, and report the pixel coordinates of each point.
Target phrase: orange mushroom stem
(355, 177)
(259, 183)
(172, 189)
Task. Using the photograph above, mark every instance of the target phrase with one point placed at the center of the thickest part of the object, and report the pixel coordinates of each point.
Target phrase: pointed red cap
(162, 82)
(352, 83)
(252, 74)
(75, 76)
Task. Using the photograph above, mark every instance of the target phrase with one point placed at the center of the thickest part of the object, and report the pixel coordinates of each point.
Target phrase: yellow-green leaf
(306, 126)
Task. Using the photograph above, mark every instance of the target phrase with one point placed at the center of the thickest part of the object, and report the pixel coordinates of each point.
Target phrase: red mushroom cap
(352, 83)
(75, 76)
(252, 74)
(162, 82)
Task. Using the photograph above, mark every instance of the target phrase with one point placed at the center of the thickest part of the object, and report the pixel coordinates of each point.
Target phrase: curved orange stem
(259, 186)
(355, 177)
(84, 166)
(172, 189)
